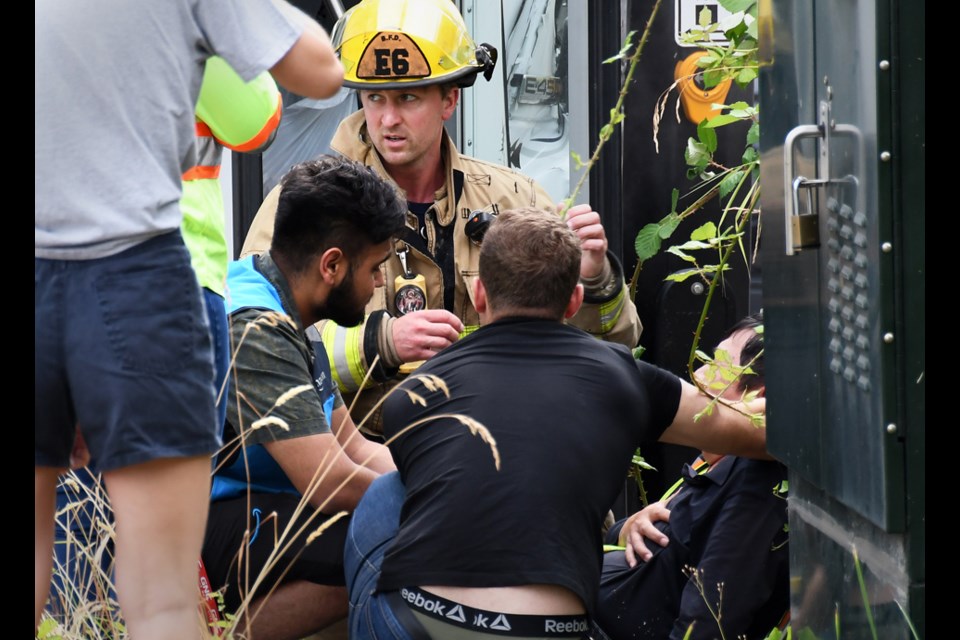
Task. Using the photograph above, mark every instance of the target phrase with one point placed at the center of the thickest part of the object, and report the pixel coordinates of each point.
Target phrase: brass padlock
(806, 231)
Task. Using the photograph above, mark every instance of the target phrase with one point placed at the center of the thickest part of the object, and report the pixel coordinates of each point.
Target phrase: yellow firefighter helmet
(392, 44)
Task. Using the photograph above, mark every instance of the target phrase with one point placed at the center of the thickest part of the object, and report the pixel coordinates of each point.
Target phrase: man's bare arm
(724, 430)
(311, 67)
(372, 455)
(319, 457)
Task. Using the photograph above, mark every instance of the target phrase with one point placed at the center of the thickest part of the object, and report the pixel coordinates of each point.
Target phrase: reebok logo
(457, 614)
(500, 623)
(555, 626)
(417, 600)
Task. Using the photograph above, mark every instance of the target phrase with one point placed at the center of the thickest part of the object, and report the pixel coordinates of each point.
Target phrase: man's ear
(450, 103)
(333, 266)
(576, 300)
(479, 296)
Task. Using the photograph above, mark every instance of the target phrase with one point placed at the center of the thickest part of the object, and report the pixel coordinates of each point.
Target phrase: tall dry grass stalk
(84, 605)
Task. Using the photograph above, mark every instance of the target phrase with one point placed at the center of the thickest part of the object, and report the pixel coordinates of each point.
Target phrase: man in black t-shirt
(511, 446)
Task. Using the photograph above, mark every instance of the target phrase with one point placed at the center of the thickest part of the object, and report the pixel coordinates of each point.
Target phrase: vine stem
(751, 199)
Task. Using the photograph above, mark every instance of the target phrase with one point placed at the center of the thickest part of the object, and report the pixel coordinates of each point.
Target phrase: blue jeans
(372, 528)
(220, 335)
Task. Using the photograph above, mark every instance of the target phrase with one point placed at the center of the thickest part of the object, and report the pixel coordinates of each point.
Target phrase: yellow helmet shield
(391, 44)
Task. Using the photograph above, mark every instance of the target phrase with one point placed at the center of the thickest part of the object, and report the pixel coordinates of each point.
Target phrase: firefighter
(409, 59)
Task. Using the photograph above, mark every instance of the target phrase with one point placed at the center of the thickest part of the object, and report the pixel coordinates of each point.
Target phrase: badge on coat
(410, 298)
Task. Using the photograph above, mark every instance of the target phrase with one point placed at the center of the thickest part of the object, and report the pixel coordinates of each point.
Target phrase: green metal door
(841, 96)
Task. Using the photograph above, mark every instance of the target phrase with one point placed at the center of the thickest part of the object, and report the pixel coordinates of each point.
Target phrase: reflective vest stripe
(201, 173)
(343, 346)
(209, 154)
(610, 311)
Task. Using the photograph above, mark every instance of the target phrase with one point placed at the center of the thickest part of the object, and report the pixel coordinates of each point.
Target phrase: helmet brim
(462, 78)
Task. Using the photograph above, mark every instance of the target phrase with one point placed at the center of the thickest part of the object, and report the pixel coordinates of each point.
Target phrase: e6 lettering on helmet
(392, 62)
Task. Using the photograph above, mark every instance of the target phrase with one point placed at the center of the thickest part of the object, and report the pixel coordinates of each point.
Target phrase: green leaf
(680, 276)
(739, 105)
(643, 464)
(727, 375)
(736, 6)
(606, 131)
(748, 47)
(674, 197)
(577, 161)
(647, 243)
(668, 225)
(713, 77)
(752, 29)
(704, 232)
(680, 254)
(707, 136)
(720, 120)
(735, 32)
(706, 60)
(730, 182)
(746, 76)
(713, 268)
(638, 352)
(717, 385)
(753, 134)
(624, 50)
(750, 155)
(694, 245)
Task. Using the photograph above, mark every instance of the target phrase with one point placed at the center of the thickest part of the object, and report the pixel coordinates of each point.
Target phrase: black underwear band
(506, 624)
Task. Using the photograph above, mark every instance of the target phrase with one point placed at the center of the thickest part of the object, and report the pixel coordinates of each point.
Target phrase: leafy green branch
(737, 187)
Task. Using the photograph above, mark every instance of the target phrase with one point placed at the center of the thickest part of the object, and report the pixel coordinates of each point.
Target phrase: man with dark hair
(479, 537)
(717, 539)
(292, 456)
